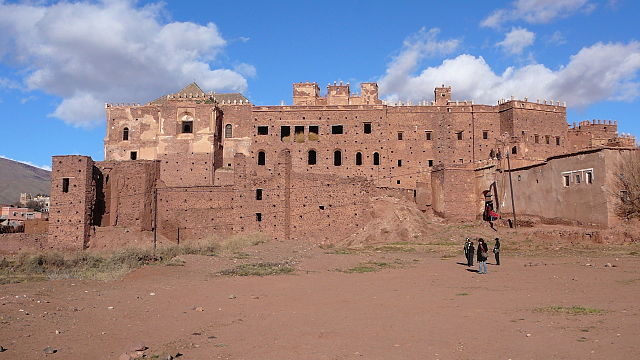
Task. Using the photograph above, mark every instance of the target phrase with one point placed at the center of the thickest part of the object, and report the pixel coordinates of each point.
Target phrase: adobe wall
(70, 212)
(453, 191)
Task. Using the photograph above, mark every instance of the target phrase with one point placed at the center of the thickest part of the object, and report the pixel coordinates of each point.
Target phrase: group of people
(482, 253)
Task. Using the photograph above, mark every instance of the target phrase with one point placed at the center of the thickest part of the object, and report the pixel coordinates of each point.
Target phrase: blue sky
(61, 61)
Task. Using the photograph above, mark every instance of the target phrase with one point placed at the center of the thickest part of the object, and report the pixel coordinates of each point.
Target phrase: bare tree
(628, 185)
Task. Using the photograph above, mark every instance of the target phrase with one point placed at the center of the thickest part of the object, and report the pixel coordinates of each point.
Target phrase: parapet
(308, 93)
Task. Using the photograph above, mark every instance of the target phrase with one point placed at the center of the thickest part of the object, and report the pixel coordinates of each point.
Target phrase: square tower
(442, 95)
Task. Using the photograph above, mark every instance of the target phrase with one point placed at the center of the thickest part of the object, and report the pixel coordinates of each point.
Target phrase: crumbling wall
(453, 190)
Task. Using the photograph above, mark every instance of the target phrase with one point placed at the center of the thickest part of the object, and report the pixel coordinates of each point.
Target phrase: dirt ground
(423, 303)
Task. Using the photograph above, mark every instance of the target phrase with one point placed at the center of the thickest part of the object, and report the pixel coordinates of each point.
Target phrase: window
(536, 138)
(313, 132)
(428, 135)
(311, 157)
(547, 139)
(376, 158)
(358, 158)
(485, 134)
(514, 150)
(262, 158)
(430, 162)
(566, 180)
(65, 185)
(187, 127)
(519, 177)
(367, 128)
(263, 130)
(400, 135)
(258, 194)
(578, 178)
(399, 163)
(258, 217)
(134, 155)
(557, 140)
(337, 158)
(285, 132)
(398, 182)
(337, 129)
(589, 177)
(125, 134)
(228, 131)
(459, 135)
(299, 130)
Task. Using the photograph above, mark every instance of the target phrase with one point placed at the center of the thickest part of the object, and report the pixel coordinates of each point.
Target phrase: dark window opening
(367, 128)
(258, 217)
(358, 158)
(299, 130)
(400, 135)
(547, 139)
(263, 130)
(459, 135)
(399, 163)
(314, 130)
(258, 194)
(558, 140)
(428, 135)
(398, 182)
(125, 134)
(566, 180)
(321, 207)
(536, 138)
(514, 150)
(285, 132)
(228, 131)
(589, 178)
(311, 157)
(376, 158)
(187, 127)
(262, 158)
(337, 129)
(337, 158)
(65, 185)
(430, 163)
(134, 155)
(485, 135)
(578, 179)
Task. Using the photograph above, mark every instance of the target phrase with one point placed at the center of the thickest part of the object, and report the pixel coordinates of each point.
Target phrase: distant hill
(16, 177)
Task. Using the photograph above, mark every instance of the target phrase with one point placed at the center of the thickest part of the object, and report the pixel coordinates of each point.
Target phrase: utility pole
(155, 219)
(513, 206)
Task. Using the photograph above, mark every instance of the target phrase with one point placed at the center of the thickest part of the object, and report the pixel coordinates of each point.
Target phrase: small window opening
(398, 182)
(547, 139)
(262, 158)
(557, 140)
(337, 129)
(536, 138)
(367, 128)
(285, 132)
(578, 178)
(428, 135)
(514, 150)
(400, 135)
(337, 158)
(187, 127)
(358, 158)
(589, 177)
(519, 177)
(430, 162)
(566, 180)
(299, 130)
(125, 134)
(258, 217)
(228, 131)
(459, 135)
(321, 207)
(311, 157)
(399, 163)
(376, 158)
(313, 132)
(65, 185)
(263, 130)
(258, 194)
(485, 134)
(134, 155)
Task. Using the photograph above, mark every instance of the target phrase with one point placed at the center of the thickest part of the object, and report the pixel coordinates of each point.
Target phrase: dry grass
(570, 310)
(258, 269)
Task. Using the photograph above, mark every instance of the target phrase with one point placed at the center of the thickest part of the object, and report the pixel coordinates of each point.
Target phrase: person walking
(467, 242)
(496, 251)
(483, 250)
(470, 254)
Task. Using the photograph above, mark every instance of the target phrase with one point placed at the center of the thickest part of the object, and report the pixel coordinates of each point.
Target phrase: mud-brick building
(197, 162)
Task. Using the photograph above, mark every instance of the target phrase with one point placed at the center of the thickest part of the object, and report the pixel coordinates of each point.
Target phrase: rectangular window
(285, 132)
(459, 135)
(536, 138)
(65, 185)
(566, 180)
(428, 135)
(558, 140)
(547, 139)
(313, 130)
(399, 163)
(398, 182)
(589, 177)
(578, 178)
(134, 155)
(258, 194)
(299, 130)
(400, 135)
(263, 130)
(258, 217)
(367, 128)
(485, 134)
(337, 129)
(430, 162)
(187, 127)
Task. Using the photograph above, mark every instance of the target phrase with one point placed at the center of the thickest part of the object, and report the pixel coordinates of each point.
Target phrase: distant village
(28, 215)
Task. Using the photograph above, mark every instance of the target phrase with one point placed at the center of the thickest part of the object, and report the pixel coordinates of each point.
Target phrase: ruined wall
(72, 198)
(453, 192)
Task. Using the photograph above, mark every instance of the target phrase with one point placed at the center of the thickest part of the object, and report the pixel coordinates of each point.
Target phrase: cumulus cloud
(596, 73)
(89, 53)
(536, 11)
(517, 40)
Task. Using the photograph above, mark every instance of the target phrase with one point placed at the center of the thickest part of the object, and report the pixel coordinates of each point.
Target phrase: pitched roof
(194, 90)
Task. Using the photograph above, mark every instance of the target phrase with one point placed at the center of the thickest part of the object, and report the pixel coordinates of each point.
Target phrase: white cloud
(247, 70)
(89, 53)
(43, 167)
(596, 73)
(536, 11)
(421, 45)
(517, 40)
(557, 38)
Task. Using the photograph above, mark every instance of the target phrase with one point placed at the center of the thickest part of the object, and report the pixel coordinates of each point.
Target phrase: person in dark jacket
(483, 250)
(496, 251)
(470, 253)
(467, 242)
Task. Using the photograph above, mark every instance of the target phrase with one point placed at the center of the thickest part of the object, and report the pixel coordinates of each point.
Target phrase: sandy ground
(425, 307)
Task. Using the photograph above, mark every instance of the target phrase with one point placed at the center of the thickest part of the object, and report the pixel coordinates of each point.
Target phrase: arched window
(376, 158)
(186, 127)
(358, 158)
(337, 158)
(125, 134)
(228, 131)
(262, 158)
(514, 150)
(311, 157)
